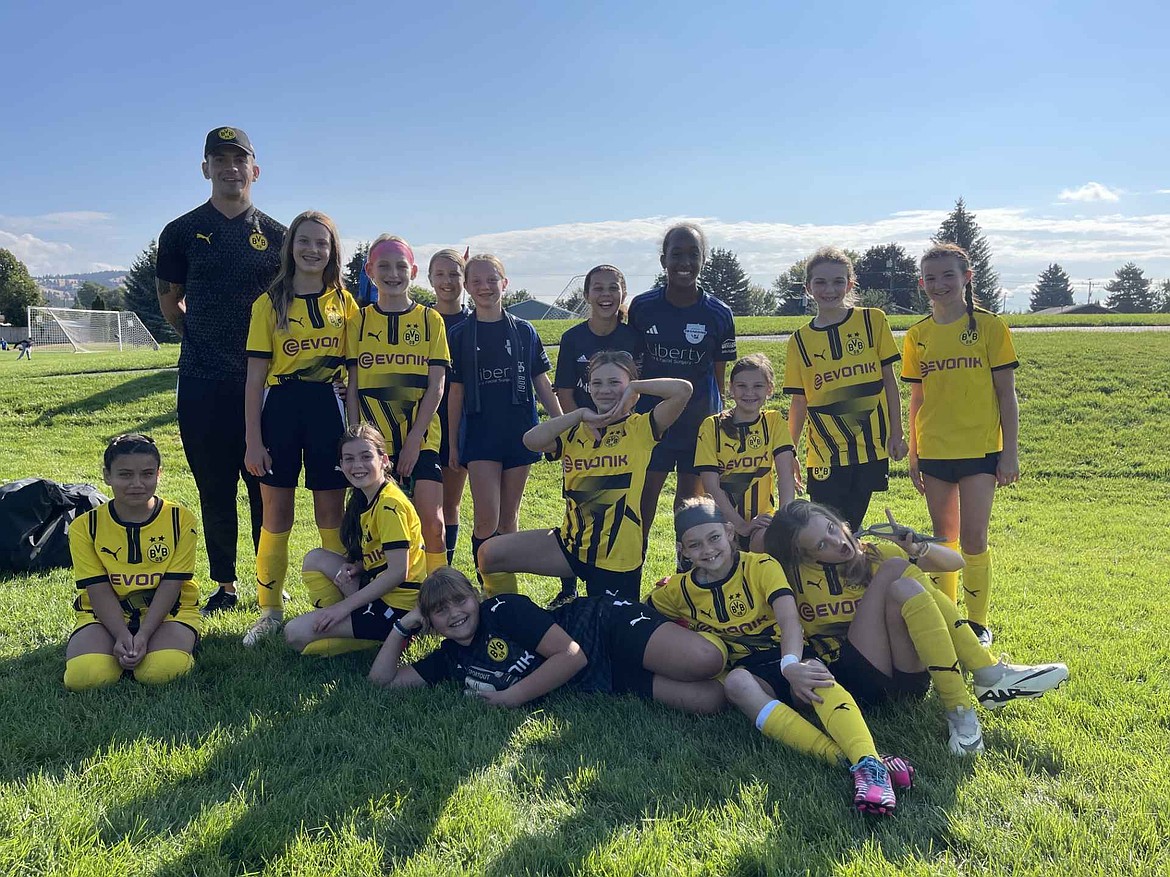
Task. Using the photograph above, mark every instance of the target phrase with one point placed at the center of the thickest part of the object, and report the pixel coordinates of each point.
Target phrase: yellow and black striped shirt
(745, 460)
(313, 347)
(390, 523)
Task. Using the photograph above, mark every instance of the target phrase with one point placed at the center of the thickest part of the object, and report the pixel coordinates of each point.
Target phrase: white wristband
(787, 661)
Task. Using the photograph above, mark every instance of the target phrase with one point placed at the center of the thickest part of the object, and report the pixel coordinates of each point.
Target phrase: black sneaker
(567, 595)
(220, 601)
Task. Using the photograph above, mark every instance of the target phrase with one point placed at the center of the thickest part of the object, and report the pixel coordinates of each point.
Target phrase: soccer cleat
(994, 686)
(966, 737)
(264, 627)
(566, 596)
(901, 771)
(872, 791)
(982, 633)
(220, 601)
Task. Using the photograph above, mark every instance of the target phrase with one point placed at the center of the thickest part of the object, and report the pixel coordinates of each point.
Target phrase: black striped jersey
(838, 369)
(135, 558)
(744, 459)
(313, 347)
(959, 416)
(394, 353)
(603, 481)
(827, 603)
(390, 523)
(737, 609)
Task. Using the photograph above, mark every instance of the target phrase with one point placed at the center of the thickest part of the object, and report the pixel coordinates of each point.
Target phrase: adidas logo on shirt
(582, 358)
(653, 330)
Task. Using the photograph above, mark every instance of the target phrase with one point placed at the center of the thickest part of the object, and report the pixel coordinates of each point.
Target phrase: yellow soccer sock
(977, 585)
(271, 568)
(971, 653)
(947, 582)
(330, 647)
(435, 559)
(331, 539)
(933, 643)
(155, 668)
(499, 583)
(787, 726)
(93, 670)
(322, 592)
(844, 723)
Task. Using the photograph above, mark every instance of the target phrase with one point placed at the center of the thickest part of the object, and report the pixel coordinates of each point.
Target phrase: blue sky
(563, 136)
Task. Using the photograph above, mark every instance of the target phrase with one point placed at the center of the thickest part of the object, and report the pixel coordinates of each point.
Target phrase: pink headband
(396, 246)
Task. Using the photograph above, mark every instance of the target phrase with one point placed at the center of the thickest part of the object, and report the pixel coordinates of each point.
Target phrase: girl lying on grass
(134, 562)
(741, 601)
(359, 595)
(508, 651)
(873, 617)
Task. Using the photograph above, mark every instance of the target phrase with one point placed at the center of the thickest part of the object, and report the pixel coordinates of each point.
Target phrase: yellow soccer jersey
(959, 417)
(838, 369)
(827, 603)
(738, 610)
(745, 461)
(394, 353)
(388, 524)
(313, 348)
(134, 559)
(603, 481)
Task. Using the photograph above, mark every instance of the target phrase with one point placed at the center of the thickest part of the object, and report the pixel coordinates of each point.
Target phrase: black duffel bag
(35, 514)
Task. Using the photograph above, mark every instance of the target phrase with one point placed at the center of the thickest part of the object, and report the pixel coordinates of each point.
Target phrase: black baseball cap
(228, 137)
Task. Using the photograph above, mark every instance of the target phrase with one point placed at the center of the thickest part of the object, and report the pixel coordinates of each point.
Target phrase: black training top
(224, 265)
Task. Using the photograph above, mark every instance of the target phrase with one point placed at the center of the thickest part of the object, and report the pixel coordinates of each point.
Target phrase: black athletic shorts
(834, 486)
(667, 458)
(426, 467)
(374, 620)
(303, 419)
(953, 471)
(603, 582)
(869, 685)
(628, 628)
(766, 666)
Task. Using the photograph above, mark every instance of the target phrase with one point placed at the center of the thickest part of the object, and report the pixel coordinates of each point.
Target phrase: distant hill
(108, 279)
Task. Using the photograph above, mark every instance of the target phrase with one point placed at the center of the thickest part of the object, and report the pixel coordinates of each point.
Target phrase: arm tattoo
(170, 295)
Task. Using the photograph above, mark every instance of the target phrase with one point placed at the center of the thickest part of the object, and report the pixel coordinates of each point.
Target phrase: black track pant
(211, 425)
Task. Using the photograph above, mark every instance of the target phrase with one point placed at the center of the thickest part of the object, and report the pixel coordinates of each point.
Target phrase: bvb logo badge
(412, 336)
(497, 649)
(737, 607)
(820, 473)
(258, 241)
(969, 336)
(334, 317)
(612, 439)
(854, 345)
(227, 134)
(754, 441)
(158, 552)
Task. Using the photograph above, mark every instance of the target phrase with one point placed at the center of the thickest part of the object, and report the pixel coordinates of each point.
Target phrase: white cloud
(39, 256)
(1162, 191)
(70, 219)
(1090, 192)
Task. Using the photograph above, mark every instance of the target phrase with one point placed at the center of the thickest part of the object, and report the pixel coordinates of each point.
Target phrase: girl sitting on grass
(508, 651)
(137, 607)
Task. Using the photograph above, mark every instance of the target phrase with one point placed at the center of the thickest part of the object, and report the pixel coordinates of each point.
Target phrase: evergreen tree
(18, 291)
(142, 295)
(1162, 298)
(788, 288)
(1053, 289)
(723, 277)
(574, 300)
(760, 301)
(87, 292)
(422, 295)
(659, 280)
(98, 303)
(890, 269)
(353, 268)
(1130, 291)
(962, 229)
(514, 298)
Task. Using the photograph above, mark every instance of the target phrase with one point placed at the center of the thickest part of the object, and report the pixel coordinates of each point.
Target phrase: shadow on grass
(134, 388)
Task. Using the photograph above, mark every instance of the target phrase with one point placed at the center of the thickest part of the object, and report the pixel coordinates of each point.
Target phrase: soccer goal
(87, 331)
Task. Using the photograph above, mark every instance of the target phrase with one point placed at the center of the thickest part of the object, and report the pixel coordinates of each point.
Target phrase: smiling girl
(296, 349)
(376, 580)
(134, 563)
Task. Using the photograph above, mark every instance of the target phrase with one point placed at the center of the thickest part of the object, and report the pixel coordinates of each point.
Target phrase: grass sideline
(261, 762)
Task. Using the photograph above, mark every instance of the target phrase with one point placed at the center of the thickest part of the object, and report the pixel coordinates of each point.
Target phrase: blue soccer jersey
(684, 343)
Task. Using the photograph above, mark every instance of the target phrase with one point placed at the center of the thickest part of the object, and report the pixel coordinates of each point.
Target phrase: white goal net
(87, 331)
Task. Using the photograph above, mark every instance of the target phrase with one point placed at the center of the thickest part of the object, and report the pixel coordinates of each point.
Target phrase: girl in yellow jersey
(605, 455)
(871, 614)
(744, 453)
(964, 419)
(296, 349)
(742, 601)
(375, 582)
(134, 563)
(840, 374)
(401, 359)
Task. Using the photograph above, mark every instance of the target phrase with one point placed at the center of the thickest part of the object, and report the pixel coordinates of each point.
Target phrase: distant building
(1091, 308)
(538, 310)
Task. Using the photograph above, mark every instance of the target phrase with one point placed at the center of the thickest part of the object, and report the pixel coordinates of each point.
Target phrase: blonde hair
(494, 261)
(947, 250)
(280, 293)
(780, 541)
(447, 253)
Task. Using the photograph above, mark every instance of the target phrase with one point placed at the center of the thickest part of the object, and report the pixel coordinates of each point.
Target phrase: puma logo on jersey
(199, 236)
(298, 321)
(113, 554)
(496, 605)
(377, 336)
(818, 356)
(641, 617)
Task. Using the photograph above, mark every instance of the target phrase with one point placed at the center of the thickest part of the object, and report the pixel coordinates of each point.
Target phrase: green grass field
(264, 762)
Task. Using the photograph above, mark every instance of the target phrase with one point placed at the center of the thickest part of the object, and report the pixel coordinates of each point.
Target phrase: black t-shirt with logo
(503, 650)
(224, 265)
(495, 360)
(578, 345)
